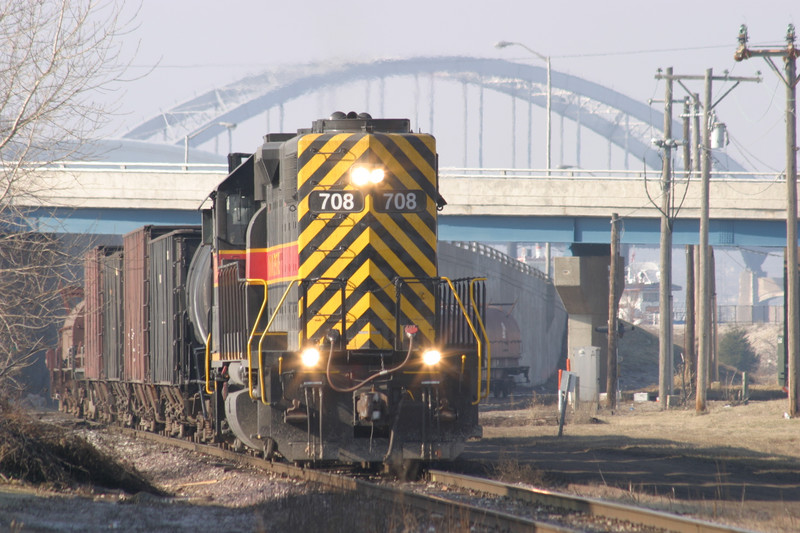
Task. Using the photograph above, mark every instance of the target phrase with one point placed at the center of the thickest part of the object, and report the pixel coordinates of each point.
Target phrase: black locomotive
(304, 318)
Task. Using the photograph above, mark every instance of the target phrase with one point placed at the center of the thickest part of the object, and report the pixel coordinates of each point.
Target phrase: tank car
(313, 322)
(506, 342)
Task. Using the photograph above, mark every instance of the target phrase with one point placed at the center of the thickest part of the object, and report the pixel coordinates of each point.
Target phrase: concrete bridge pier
(582, 284)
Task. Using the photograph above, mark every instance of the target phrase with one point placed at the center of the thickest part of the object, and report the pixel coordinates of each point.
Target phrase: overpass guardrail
(593, 174)
(113, 166)
(445, 172)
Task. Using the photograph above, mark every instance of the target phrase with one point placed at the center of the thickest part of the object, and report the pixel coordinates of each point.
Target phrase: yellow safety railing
(252, 336)
(474, 332)
(485, 336)
(263, 336)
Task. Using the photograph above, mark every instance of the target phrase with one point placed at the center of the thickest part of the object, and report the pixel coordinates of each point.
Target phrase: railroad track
(487, 505)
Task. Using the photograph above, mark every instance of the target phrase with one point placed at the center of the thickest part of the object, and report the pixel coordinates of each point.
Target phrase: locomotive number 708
(336, 201)
(400, 201)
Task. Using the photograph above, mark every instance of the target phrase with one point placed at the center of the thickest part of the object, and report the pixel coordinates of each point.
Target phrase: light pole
(546, 59)
(229, 125)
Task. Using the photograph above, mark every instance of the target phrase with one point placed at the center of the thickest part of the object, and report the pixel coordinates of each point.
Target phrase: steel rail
(589, 506)
(478, 516)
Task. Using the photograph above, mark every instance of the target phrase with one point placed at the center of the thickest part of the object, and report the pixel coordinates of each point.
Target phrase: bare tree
(57, 58)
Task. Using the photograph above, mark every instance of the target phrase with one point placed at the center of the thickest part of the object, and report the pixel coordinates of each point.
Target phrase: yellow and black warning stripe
(369, 246)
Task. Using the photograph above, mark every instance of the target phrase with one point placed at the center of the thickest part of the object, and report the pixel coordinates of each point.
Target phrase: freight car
(506, 341)
(305, 318)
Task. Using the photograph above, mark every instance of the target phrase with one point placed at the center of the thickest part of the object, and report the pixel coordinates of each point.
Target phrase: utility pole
(665, 366)
(704, 311)
(666, 363)
(688, 332)
(789, 55)
(613, 311)
(687, 135)
(704, 307)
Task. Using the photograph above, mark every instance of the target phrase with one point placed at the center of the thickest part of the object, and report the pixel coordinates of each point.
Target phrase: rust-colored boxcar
(135, 266)
(94, 295)
(170, 336)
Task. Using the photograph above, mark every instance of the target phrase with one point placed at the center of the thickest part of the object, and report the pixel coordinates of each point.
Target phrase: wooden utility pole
(714, 324)
(665, 368)
(689, 355)
(789, 55)
(688, 324)
(687, 135)
(613, 311)
(696, 126)
(704, 307)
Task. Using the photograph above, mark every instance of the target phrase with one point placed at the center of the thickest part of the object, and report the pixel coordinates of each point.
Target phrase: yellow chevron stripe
(365, 271)
(330, 307)
(334, 301)
(423, 261)
(339, 265)
(391, 258)
(411, 312)
(394, 167)
(424, 230)
(389, 255)
(316, 161)
(333, 240)
(397, 169)
(305, 141)
(369, 332)
(424, 165)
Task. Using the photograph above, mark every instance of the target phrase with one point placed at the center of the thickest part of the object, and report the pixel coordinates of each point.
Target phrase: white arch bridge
(491, 106)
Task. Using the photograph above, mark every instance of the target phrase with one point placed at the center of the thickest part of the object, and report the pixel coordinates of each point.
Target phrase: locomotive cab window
(239, 209)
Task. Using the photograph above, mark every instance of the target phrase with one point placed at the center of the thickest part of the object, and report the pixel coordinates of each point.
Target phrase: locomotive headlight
(431, 357)
(310, 357)
(361, 175)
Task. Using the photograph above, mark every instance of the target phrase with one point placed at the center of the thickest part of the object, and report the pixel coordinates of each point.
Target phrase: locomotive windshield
(239, 209)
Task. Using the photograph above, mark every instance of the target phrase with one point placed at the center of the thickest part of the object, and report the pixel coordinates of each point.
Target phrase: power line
(639, 52)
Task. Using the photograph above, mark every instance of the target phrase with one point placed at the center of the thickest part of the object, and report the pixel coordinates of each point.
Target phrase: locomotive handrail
(250, 341)
(264, 334)
(485, 336)
(471, 327)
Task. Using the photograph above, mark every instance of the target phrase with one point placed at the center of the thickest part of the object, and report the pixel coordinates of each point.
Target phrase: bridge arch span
(622, 121)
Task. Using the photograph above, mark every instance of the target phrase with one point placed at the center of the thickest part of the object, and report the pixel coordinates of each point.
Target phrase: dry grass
(728, 432)
(510, 470)
(43, 454)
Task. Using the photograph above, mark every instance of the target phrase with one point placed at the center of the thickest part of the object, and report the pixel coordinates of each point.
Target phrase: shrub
(735, 350)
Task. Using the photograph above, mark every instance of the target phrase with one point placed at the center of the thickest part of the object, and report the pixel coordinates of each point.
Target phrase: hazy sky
(201, 44)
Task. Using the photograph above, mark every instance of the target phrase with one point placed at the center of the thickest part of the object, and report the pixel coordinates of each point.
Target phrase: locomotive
(304, 318)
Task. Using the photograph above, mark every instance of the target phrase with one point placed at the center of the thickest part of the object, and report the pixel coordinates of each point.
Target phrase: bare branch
(55, 57)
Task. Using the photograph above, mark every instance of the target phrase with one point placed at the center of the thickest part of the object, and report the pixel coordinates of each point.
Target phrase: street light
(546, 59)
(229, 125)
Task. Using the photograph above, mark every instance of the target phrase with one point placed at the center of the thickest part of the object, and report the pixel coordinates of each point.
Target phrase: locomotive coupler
(371, 406)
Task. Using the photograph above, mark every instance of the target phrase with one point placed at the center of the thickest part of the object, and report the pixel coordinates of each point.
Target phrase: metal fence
(739, 314)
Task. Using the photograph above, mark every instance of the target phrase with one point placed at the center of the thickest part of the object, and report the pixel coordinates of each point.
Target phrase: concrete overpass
(486, 205)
